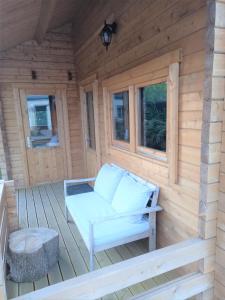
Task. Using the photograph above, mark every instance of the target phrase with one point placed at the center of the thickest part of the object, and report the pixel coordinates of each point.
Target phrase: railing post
(207, 265)
(213, 96)
(10, 195)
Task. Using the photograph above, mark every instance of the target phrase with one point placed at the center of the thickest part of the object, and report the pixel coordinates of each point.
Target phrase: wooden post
(91, 250)
(5, 163)
(208, 201)
(10, 195)
(152, 235)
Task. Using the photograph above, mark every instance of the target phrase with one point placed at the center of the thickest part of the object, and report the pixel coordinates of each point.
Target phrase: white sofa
(121, 209)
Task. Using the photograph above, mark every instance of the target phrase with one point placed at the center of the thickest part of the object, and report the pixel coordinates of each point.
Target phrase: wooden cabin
(59, 120)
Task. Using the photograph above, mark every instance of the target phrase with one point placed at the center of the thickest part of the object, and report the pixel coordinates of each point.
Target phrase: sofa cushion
(107, 181)
(86, 207)
(131, 195)
(90, 206)
(118, 230)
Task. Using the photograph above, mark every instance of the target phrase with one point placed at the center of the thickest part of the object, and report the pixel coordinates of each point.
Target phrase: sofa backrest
(155, 194)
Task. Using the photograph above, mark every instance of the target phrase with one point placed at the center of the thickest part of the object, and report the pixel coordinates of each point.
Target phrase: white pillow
(131, 195)
(107, 181)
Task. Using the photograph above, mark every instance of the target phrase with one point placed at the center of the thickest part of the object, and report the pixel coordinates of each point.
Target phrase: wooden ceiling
(22, 20)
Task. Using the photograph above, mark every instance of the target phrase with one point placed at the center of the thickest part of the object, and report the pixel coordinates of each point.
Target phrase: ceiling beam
(46, 12)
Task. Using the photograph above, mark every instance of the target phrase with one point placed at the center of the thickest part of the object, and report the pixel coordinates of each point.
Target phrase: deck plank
(25, 287)
(101, 258)
(57, 273)
(66, 235)
(44, 206)
(35, 220)
(101, 261)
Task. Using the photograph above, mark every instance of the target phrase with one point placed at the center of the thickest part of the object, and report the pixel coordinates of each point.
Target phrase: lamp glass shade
(106, 35)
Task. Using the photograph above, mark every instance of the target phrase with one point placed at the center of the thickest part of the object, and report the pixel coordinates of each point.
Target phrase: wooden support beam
(46, 12)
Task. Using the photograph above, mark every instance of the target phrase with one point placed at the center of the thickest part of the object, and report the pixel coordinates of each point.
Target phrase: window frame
(86, 91)
(114, 142)
(83, 101)
(142, 150)
(166, 66)
(90, 83)
(31, 139)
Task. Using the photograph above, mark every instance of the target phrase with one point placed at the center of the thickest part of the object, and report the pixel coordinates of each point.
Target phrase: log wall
(10, 195)
(218, 91)
(51, 60)
(147, 29)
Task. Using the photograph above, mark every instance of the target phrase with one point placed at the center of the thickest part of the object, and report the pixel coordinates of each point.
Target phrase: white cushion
(140, 180)
(131, 195)
(117, 230)
(107, 181)
(90, 206)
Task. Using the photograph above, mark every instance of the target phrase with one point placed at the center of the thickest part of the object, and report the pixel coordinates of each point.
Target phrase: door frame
(90, 84)
(58, 89)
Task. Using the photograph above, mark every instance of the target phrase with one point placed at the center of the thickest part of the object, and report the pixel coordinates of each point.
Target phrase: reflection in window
(90, 121)
(42, 121)
(121, 116)
(152, 118)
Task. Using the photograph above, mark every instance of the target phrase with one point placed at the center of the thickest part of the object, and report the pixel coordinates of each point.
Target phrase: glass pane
(121, 116)
(90, 120)
(42, 121)
(153, 100)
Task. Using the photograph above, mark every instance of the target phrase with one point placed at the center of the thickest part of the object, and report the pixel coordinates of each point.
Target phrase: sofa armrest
(76, 181)
(128, 214)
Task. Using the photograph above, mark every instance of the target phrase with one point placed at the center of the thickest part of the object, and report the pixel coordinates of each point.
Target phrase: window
(152, 116)
(149, 95)
(41, 115)
(42, 121)
(90, 121)
(120, 116)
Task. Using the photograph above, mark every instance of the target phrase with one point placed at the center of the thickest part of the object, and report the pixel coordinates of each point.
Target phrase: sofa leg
(66, 214)
(152, 234)
(92, 261)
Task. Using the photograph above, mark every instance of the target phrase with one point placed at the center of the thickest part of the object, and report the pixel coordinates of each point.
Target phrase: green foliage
(154, 116)
(41, 118)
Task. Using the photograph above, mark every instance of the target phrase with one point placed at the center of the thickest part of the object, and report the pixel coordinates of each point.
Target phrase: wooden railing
(8, 222)
(124, 274)
(3, 239)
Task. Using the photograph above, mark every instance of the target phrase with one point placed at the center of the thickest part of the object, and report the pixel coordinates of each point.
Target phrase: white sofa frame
(150, 211)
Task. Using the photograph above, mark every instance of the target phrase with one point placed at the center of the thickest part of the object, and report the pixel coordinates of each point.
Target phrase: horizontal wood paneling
(157, 28)
(218, 135)
(51, 60)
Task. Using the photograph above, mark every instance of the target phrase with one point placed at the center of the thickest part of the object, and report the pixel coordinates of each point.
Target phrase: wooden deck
(44, 206)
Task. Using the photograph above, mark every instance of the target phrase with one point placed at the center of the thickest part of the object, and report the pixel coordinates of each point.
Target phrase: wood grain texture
(29, 19)
(218, 73)
(51, 60)
(43, 206)
(8, 222)
(105, 281)
(173, 25)
(45, 15)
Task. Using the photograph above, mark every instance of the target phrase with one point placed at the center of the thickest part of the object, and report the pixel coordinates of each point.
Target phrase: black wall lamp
(70, 75)
(33, 75)
(106, 33)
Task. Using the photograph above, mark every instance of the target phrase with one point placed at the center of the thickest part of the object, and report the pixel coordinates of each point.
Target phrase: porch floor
(44, 206)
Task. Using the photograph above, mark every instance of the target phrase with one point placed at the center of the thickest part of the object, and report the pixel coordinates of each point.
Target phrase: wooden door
(89, 105)
(43, 121)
